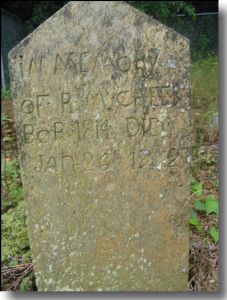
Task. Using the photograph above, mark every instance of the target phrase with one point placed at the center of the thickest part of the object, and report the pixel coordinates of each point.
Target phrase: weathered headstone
(101, 101)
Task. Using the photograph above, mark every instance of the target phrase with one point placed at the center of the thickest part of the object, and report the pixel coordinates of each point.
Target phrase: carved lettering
(30, 66)
(93, 98)
(43, 136)
(28, 133)
(151, 126)
(67, 163)
(132, 159)
(90, 129)
(124, 63)
(132, 126)
(88, 158)
(65, 103)
(124, 98)
(88, 132)
(105, 160)
(58, 61)
(102, 129)
(27, 106)
(51, 164)
(145, 61)
(39, 102)
(39, 168)
(83, 65)
(41, 64)
(144, 156)
(58, 129)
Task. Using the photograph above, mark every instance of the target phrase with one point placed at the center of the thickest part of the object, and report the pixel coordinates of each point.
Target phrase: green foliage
(205, 205)
(4, 117)
(15, 241)
(8, 139)
(204, 74)
(36, 12)
(5, 94)
(204, 79)
(42, 10)
(24, 9)
(214, 233)
(193, 220)
(25, 285)
(11, 183)
(211, 205)
(163, 9)
(199, 206)
(196, 187)
(203, 43)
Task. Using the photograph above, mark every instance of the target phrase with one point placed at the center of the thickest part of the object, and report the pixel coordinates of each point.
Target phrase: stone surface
(101, 99)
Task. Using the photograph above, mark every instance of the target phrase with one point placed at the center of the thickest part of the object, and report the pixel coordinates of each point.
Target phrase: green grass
(204, 78)
(14, 235)
(15, 243)
(5, 94)
(11, 184)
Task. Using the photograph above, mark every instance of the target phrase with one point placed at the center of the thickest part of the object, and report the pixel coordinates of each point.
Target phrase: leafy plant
(11, 183)
(4, 117)
(41, 10)
(199, 205)
(15, 241)
(26, 283)
(164, 9)
(5, 94)
(211, 205)
(204, 205)
(8, 139)
(193, 220)
(214, 233)
(196, 187)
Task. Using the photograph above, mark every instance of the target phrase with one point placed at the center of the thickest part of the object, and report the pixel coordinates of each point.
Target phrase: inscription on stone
(101, 98)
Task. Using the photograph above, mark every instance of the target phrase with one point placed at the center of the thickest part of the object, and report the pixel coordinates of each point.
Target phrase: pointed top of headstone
(106, 11)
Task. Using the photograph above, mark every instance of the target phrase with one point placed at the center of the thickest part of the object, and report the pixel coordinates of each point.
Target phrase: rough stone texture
(101, 100)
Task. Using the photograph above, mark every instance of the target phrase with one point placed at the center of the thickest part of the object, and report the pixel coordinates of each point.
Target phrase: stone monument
(101, 97)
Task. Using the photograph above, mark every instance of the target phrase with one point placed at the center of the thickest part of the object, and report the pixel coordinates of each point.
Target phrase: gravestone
(101, 101)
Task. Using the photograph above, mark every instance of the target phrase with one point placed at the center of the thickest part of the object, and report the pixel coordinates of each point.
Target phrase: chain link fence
(202, 32)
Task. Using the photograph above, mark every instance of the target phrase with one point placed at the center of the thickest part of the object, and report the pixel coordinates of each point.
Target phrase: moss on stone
(15, 243)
